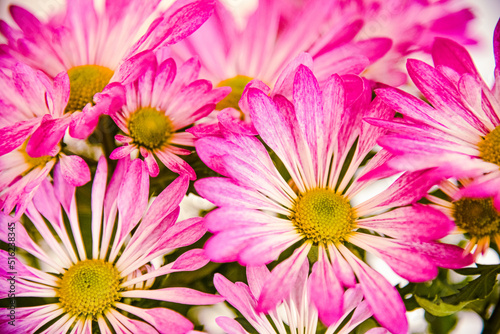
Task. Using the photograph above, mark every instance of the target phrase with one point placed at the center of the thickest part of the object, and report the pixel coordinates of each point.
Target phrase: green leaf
(439, 308)
(478, 288)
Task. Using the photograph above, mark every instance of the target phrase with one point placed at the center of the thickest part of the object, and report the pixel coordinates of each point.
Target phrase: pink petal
(175, 295)
(47, 136)
(451, 54)
(74, 170)
(230, 326)
(122, 152)
(14, 135)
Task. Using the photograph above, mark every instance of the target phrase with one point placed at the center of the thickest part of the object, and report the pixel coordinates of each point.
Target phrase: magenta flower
(98, 51)
(90, 282)
(295, 312)
(159, 104)
(232, 55)
(459, 135)
(30, 101)
(308, 205)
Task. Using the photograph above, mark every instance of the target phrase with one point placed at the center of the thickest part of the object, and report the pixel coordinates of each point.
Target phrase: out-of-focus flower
(99, 50)
(295, 312)
(412, 26)
(161, 102)
(320, 140)
(473, 213)
(232, 56)
(29, 101)
(458, 135)
(92, 281)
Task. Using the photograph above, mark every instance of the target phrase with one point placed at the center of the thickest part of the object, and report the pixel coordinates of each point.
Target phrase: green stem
(493, 323)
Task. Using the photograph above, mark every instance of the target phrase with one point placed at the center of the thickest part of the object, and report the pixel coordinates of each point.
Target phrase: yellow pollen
(150, 128)
(477, 216)
(489, 147)
(237, 85)
(323, 216)
(89, 288)
(85, 81)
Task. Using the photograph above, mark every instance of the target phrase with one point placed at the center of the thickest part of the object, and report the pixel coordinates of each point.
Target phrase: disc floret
(323, 216)
(477, 216)
(489, 147)
(237, 85)
(150, 128)
(89, 288)
(85, 81)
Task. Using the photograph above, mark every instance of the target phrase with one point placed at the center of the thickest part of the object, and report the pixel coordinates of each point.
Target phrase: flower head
(32, 103)
(98, 50)
(159, 104)
(295, 312)
(90, 282)
(320, 140)
(459, 135)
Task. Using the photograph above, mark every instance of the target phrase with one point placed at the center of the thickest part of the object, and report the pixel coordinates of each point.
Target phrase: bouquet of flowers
(182, 167)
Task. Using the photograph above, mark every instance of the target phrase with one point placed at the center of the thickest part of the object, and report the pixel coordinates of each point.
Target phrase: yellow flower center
(477, 216)
(150, 128)
(85, 81)
(33, 162)
(489, 147)
(237, 85)
(323, 216)
(89, 288)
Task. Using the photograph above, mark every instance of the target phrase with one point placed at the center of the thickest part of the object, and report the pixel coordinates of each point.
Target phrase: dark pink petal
(444, 255)
(47, 136)
(177, 165)
(97, 202)
(326, 291)
(122, 152)
(134, 66)
(496, 44)
(191, 260)
(384, 300)
(74, 170)
(14, 135)
(64, 191)
(151, 164)
(418, 221)
(279, 284)
(183, 233)
(176, 295)
(238, 295)
(451, 54)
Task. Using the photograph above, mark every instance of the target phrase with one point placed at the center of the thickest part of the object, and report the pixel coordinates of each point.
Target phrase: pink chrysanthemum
(308, 205)
(91, 282)
(29, 98)
(471, 208)
(459, 135)
(97, 49)
(159, 104)
(295, 312)
(232, 55)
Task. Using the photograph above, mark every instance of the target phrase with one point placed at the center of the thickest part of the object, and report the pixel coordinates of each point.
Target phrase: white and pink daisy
(93, 284)
(97, 49)
(306, 206)
(29, 101)
(459, 133)
(159, 105)
(295, 314)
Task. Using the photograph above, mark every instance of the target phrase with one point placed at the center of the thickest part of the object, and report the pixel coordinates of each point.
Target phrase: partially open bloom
(471, 208)
(98, 50)
(459, 135)
(320, 140)
(295, 312)
(28, 99)
(159, 104)
(91, 283)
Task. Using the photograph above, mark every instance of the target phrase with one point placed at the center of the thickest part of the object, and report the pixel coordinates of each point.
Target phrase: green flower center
(150, 128)
(490, 147)
(85, 81)
(89, 288)
(237, 85)
(323, 216)
(477, 216)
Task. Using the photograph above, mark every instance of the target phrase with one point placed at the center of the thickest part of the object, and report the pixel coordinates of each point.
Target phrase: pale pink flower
(320, 140)
(92, 282)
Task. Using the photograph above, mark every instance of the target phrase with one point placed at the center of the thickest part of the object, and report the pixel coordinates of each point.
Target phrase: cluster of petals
(312, 136)
(295, 312)
(446, 136)
(180, 97)
(83, 35)
(156, 232)
(29, 98)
